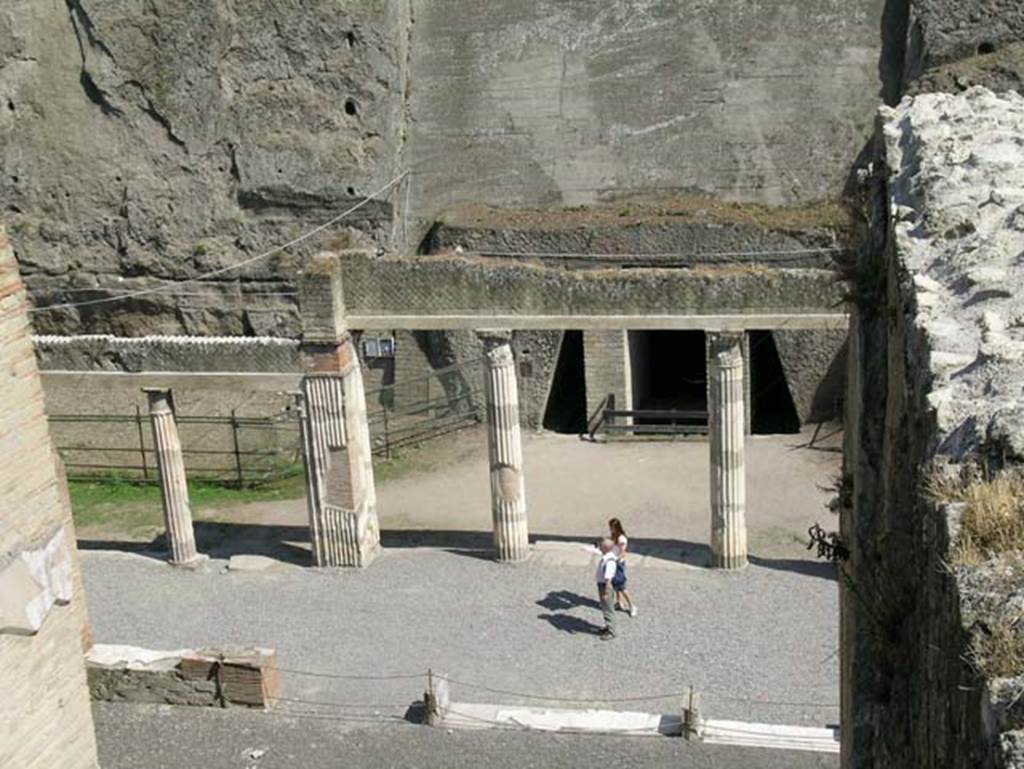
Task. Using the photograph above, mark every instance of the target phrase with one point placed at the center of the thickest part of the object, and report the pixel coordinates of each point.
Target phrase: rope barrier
(523, 695)
(533, 696)
(346, 677)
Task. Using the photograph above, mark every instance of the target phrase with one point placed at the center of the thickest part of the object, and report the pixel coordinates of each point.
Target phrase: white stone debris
(32, 583)
(957, 199)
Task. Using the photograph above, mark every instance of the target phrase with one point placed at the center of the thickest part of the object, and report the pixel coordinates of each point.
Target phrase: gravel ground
(150, 737)
(745, 640)
(759, 645)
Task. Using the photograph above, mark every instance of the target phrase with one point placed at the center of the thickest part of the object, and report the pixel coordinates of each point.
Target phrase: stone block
(246, 677)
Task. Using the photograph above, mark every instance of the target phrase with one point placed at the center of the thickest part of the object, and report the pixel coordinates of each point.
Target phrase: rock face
(150, 143)
(936, 362)
(144, 144)
(552, 103)
(942, 31)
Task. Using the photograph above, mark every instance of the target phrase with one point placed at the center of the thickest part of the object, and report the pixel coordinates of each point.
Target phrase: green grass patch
(131, 507)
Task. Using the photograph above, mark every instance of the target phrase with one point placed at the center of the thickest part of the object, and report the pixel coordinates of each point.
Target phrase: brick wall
(606, 361)
(45, 720)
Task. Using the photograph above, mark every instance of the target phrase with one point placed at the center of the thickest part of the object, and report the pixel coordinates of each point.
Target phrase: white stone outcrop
(957, 183)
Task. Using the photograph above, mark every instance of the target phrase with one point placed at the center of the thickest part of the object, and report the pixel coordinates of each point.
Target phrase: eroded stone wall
(549, 103)
(46, 717)
(143, 144)
(934, 384)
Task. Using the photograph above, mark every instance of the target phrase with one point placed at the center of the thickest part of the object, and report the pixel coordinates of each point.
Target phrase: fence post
(387, 439)
(142, 442)
(238, 456)
(691, 716)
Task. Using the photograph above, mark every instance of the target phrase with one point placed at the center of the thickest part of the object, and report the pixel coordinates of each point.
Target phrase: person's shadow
(570, 624)
(564, 600)
(561, 600)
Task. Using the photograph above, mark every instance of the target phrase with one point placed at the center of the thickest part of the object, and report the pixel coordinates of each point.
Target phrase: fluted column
(505, 449)
(727, 437)
(173, 482)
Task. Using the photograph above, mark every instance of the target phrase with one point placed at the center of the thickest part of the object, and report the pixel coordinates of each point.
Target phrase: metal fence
(234, 450)
(250, 450)
(420, 409)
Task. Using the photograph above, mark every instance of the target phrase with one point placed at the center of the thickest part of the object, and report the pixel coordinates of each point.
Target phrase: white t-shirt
(620, 545)
(607, 567)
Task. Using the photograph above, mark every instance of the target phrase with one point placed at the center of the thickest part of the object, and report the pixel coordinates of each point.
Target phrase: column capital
(726, 348)
(494, 336)
(161, 400)
(497, 346)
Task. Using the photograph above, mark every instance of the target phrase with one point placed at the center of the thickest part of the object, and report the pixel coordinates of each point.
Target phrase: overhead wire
(231, 267)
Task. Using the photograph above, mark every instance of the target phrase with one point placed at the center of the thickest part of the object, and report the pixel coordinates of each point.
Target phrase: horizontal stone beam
(761, 322)
(450, 292)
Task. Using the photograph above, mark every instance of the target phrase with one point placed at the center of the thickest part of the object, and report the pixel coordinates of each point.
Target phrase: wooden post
(436, 700)
(238, 455)
(691, 716)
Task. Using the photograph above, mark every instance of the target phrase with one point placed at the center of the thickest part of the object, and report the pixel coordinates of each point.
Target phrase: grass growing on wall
(988, 555)
(993, 516)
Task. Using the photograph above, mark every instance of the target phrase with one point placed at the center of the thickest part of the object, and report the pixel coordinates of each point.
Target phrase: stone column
(727, 436)
(340, 485)
(505, 448)
(173, 483)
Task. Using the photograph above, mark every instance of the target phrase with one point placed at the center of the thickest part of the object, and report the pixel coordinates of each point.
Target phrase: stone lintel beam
(612, 321)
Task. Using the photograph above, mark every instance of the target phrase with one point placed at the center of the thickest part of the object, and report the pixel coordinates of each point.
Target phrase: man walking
(606, 570)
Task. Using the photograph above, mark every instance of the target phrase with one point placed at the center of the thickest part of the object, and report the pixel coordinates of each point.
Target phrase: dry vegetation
(989, 557)
(825, 215)
(997, 649)
(993, 516)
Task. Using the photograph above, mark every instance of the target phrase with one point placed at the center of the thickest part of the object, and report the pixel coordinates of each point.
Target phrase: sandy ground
(658, 489)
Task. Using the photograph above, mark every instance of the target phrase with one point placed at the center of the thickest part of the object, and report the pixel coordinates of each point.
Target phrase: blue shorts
(619, 580)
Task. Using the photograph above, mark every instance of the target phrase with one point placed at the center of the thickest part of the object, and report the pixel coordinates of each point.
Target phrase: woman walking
(621, 541)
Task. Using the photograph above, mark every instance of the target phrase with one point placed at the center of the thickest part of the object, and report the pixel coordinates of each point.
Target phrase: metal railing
(250, 450)
(418, 410)
(233, 450)
(606, 418)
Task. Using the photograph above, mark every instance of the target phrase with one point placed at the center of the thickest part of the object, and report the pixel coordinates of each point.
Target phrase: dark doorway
(668, 370)
(566, 410)
(771, 405)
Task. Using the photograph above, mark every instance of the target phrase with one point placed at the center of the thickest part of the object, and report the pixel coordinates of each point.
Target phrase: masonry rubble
(209, 677)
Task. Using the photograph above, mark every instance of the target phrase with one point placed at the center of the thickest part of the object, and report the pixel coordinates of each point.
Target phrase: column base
(729, 562)
(191, 563)
(513, 558)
